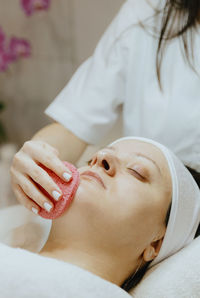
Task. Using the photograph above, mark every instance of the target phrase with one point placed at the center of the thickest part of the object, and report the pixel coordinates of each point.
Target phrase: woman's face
(126, 213)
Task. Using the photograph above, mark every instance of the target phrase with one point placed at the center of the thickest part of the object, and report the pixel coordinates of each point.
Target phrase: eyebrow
(153, 161)
(142, 155)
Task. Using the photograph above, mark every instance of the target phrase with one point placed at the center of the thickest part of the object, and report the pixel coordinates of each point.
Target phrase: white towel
(176, 277)
(20, 227)
(24, 274)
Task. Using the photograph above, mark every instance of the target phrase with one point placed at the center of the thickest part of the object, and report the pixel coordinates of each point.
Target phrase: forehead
(129, 148)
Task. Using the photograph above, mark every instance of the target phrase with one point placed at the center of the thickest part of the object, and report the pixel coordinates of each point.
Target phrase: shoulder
(131, 13)
(126, 28)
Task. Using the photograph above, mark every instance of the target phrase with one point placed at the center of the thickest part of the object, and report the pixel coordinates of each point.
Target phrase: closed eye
(138, 175)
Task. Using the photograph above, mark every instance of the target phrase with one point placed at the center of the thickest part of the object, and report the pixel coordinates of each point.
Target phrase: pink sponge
(68, 189)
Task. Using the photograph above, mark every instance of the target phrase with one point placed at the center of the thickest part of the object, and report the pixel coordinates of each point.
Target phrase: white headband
(185, 210)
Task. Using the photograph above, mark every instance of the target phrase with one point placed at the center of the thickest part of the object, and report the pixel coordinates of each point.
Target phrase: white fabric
(119, 79)
(28, 275)
(176, 277)
(25, 274)
(185, 210)
(20, 227)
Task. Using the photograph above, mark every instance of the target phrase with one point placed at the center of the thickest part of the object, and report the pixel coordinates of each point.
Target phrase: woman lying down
(146, 208)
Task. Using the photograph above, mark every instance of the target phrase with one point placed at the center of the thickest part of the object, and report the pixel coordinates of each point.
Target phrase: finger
(31, 145)
(39, 175)
(25, 200)
(52, 162)
(45, 154)
(35, 194)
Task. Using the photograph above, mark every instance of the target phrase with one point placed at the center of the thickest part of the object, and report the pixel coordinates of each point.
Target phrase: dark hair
(187, 15)
(134, 279)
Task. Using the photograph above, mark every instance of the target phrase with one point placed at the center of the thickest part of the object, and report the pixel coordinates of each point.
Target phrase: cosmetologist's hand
(25, 171)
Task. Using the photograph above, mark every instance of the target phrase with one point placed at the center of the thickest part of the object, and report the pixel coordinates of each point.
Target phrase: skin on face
(122, 221)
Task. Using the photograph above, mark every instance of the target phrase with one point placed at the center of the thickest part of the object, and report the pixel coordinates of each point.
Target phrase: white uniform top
(119, 80)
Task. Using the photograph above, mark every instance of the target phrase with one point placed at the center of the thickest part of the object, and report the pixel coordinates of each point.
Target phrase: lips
(94, 175)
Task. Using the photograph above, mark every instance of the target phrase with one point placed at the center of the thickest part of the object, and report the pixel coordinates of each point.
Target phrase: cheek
(123, 211)
(127, 203)
(128, 197)
(133, 208)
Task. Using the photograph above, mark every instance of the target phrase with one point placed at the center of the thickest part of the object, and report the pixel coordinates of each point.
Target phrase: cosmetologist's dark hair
(185, 15)
(134, 279)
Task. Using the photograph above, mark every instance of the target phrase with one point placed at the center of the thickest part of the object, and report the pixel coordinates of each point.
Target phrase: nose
(106, 160)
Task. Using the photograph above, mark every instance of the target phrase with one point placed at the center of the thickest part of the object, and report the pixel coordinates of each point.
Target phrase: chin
(84, 193)
(87, 198)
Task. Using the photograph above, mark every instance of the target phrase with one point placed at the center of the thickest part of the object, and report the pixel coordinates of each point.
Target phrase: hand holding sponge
(68, 189)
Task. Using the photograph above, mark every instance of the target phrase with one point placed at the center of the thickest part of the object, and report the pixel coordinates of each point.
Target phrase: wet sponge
(68, 189)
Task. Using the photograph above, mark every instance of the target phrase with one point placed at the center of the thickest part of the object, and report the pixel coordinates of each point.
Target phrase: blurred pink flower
(30, 6)
(18, 48)
(2, 39)
(4, 60)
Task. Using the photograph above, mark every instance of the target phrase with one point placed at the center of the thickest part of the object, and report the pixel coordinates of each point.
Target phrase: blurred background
(47, 42)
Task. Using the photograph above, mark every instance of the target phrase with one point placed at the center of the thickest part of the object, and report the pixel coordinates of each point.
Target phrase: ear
(152, 250)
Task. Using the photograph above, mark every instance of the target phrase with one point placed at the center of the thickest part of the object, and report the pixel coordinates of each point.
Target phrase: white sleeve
(89, 105)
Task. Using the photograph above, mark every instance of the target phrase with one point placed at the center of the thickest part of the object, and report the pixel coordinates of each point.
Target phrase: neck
(104, 266)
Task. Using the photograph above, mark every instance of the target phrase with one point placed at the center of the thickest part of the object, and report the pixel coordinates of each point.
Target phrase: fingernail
(56, 195)
(67, 176)
(35, 210)
(47, 206)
